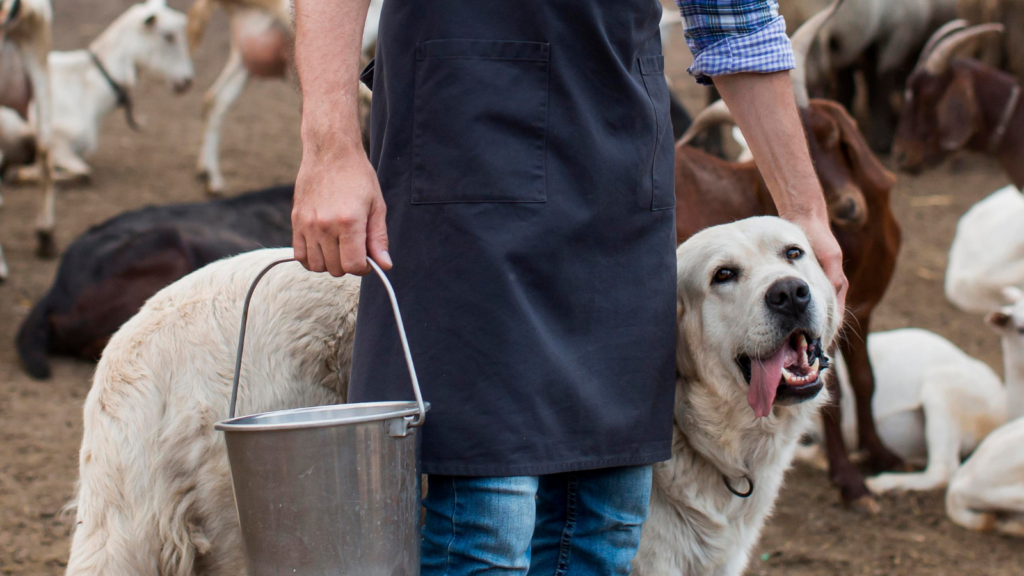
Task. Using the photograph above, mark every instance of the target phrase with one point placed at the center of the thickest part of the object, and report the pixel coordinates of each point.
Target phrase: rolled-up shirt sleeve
(732, 36)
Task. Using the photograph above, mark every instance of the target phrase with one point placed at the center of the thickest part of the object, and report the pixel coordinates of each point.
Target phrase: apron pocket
(662, 194)
(480, 121)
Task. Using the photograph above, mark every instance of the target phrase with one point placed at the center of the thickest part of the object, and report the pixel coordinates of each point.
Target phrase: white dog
(755, 314)
(155, 491)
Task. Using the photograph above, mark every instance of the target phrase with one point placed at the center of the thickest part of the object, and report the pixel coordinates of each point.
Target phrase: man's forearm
(765, 110)
(328, 40)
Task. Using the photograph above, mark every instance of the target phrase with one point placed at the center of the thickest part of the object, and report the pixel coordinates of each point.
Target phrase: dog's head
(756, 313)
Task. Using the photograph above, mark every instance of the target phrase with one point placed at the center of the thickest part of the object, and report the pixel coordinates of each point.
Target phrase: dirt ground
(40, 422)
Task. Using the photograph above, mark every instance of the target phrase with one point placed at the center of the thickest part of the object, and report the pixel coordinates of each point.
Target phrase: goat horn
(802, 40)
(943, 31)
(715, 113)
(936, 62)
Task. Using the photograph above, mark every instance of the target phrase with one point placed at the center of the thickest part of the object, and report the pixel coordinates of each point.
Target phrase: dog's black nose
(789, 297)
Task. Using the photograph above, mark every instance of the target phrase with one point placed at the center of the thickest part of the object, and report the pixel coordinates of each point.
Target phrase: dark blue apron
(526, 158)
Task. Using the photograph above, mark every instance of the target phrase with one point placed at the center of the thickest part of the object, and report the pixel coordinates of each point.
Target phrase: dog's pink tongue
(764, 382)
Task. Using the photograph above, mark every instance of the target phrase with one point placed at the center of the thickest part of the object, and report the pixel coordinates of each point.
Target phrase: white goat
(89, 84)
(987, 493)
(158, 500)
(26, 31)
(932, 405)
(261, 39)
(987, 252)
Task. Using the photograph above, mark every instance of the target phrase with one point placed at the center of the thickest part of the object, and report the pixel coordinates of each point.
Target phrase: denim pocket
(480, 121)
(661, 195)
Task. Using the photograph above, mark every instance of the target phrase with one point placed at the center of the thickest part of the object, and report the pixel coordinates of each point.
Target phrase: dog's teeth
(814, 367)
(801, 340)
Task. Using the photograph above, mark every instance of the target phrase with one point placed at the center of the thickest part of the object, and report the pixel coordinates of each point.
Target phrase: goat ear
(825, 129)
(150, 21)
(1011, 294)
(868, 171)
(958, 114)
(999, 320)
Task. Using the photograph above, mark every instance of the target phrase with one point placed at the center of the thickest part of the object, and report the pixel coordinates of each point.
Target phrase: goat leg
(46, 246)
(862, 380)
(4, 271)
(842, 472)
(217, 101)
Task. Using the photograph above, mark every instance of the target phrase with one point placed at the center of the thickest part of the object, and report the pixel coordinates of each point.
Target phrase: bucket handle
(398, 322)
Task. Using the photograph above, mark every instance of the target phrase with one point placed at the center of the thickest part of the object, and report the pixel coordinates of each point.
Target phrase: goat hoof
(46, 246)
(851, 484)
(882, 460)
(215, 186)
(867, 505)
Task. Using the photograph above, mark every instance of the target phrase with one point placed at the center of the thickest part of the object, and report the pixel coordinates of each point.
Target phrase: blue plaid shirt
(730, 36)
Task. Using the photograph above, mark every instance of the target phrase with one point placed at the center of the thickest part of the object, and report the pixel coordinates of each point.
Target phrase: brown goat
(711, 191)
(958, 103)
(1005, 52)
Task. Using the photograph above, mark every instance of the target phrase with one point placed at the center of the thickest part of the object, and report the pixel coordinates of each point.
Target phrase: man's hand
(828, 252)
(765, 110)
(338, 212)
(338, 215)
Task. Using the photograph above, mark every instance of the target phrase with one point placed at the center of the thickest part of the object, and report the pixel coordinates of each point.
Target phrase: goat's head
(941, 111)
(155, 35)
(847, 168)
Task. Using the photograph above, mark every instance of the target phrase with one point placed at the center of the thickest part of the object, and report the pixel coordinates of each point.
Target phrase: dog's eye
(723, 275)
(794, 253)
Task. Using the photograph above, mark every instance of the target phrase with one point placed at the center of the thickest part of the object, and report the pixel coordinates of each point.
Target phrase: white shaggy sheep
(155, 492)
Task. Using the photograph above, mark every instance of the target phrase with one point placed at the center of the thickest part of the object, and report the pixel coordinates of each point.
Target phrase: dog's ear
(999, 320)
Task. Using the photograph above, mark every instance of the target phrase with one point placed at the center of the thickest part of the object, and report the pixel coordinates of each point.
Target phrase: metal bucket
(328, 489)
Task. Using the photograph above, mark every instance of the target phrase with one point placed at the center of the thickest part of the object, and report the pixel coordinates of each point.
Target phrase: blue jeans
(571, 524)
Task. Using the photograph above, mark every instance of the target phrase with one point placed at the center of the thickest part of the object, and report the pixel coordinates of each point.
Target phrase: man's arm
(743, 46)
(765, 110)
(338, 212)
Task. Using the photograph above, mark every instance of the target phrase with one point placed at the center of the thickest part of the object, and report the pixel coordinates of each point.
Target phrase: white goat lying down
(987, 493)
(89, 84)
(933, 403)
(987, 252)
(155, 492)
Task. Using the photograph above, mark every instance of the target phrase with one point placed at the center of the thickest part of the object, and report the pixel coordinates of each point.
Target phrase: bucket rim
(390, 410)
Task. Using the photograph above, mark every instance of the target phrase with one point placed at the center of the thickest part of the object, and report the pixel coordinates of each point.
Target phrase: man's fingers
(299, 248)
(314, 257)
(377, 236)
(352, 248)
(329, 248)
